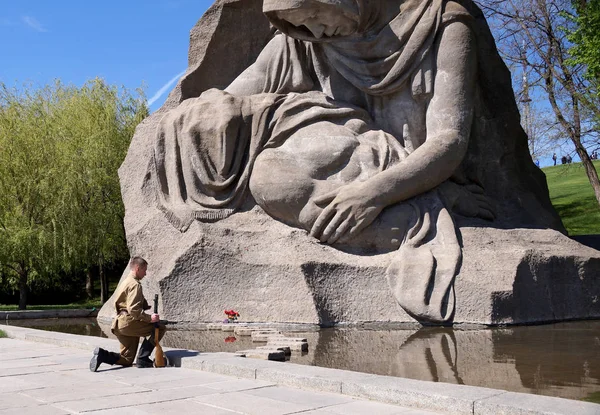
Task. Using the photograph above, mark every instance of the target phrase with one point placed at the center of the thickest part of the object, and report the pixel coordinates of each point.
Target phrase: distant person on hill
(131, 322)
(554, 158)
(563, 159)
(569, 159)
(537, 163)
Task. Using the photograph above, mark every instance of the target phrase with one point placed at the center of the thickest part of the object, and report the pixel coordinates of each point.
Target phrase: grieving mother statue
(352, 124)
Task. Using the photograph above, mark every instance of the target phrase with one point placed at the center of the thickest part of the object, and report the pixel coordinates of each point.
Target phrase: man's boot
(102, 356)
(143, 359)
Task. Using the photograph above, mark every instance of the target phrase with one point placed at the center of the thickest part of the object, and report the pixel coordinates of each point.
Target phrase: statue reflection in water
(556, 360)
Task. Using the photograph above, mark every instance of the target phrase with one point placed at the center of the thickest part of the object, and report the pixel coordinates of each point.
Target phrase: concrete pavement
(46, 372)
(43, 379)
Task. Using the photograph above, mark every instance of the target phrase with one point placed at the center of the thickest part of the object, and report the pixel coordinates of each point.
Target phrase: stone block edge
(31, 314)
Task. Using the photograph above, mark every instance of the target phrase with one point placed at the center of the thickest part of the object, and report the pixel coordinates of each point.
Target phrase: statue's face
(320, 19)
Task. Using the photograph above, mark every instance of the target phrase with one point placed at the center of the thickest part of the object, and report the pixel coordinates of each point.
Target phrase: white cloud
(33, 23)
(164, 88)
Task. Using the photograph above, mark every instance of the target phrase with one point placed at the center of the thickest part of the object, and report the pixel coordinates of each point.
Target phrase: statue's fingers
(459, 177)
(475, 188)
(488, 206)
(485, 203)
(486, 214)
(332, 226)
(340, 231)
(322, 221)
(325, 198)
(357, 228)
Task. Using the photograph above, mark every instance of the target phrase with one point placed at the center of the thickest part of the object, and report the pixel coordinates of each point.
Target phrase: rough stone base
(270, 272)
(526, 276)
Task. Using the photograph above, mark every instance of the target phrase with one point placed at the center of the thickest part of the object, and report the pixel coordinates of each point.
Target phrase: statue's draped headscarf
(392, 41)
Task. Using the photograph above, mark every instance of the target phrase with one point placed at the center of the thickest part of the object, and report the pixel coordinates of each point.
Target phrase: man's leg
(139, 329)
(143, 359)
(103, 356)
(129, 345)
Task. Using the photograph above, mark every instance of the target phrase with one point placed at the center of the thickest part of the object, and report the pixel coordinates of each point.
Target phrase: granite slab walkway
(37, 378)
(43, 372)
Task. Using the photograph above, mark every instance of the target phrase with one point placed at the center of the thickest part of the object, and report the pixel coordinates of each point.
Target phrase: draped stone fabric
(387, 48)
(203, 155)
(421, 274)
(205, 149)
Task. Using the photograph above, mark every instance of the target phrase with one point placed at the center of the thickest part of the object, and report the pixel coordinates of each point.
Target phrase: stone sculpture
(385, 130)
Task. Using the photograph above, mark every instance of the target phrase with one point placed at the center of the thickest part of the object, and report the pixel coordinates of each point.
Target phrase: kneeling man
(131, 322)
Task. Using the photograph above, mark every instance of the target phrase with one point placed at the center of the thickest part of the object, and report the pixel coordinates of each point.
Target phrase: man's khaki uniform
(131, 322)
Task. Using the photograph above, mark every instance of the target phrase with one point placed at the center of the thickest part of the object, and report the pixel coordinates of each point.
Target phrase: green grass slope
(573, 198)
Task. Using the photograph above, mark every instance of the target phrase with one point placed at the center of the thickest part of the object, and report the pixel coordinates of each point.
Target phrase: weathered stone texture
(269, 271)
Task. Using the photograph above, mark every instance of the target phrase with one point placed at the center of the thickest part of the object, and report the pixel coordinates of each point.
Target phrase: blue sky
(127, 42)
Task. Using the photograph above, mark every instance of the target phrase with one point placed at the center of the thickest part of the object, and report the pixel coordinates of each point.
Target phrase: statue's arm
(449, 118)
(253, 79)
(280, 68)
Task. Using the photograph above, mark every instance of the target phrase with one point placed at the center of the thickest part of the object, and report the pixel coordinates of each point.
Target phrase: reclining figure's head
(318, 18)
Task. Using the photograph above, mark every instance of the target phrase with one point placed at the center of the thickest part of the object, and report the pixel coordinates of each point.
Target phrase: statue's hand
(348, 210)
(468, 200)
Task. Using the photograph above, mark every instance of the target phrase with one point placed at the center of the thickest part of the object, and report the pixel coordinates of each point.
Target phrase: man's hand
(155, 318)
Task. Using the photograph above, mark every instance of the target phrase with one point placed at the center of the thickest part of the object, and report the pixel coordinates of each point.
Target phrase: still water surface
(558, 359)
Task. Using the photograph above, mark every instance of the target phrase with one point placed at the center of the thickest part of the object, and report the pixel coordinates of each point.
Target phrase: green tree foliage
(60, 202)
(586, 37)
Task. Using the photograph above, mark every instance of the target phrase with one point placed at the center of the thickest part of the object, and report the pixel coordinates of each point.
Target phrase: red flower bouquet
(232, 315)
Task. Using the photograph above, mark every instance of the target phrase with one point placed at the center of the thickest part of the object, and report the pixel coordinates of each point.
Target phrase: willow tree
(60, 204)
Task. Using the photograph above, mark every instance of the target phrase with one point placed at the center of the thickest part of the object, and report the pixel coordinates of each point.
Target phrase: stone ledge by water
(31, 314)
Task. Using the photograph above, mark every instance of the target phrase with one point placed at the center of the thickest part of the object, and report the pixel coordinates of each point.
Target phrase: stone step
(294, 347)
(243, 331)
(214, 326)
(286, 349)
(288, 339)
(263, 336)
(228, 327)
(266, 331)
(264, 354)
